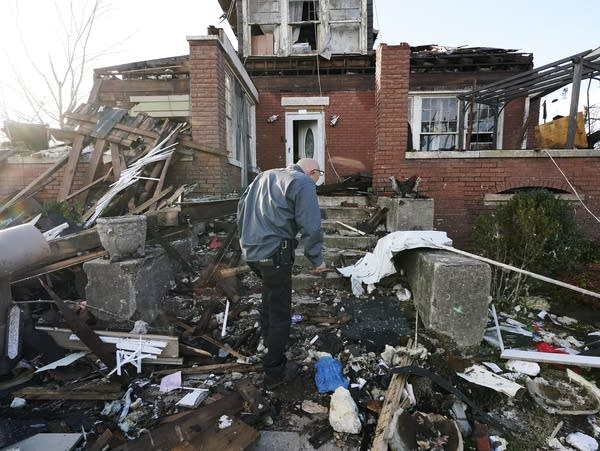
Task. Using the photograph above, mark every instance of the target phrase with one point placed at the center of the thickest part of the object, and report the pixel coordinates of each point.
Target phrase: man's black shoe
(290, 372)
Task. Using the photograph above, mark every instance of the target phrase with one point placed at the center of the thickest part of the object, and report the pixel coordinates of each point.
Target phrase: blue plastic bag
(329, 375)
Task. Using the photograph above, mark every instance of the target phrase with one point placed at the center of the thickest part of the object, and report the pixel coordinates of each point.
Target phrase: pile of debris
(371, 379)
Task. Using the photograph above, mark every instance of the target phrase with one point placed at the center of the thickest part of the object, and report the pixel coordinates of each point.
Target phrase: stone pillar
(129, 289)
(451, 293)
(391, 112)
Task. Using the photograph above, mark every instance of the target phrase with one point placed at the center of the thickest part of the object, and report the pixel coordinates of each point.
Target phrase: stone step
(306, 281)
(337, 201)
(333, 257)
(347, 214)
(366, 242)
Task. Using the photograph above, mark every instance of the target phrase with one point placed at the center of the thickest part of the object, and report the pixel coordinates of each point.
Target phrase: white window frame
(282, 32)
(415, 101)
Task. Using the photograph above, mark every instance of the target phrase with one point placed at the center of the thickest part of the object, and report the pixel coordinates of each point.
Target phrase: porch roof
(539, 82)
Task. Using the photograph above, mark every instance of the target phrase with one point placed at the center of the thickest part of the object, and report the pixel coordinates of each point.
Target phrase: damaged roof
(437, 58)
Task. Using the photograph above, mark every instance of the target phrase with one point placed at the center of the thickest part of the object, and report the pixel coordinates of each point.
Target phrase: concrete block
(406, 213)
(129, 289)
(451, 293)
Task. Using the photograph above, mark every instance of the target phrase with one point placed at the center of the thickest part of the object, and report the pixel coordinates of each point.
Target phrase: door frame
(290, 118)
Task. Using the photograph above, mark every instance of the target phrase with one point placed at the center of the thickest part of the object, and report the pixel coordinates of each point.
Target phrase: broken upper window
(305, 27)
(304, 22)
(263, 18)
(438, 122)
(345, 19)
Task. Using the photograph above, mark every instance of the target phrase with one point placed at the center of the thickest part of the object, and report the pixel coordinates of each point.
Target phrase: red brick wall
(348, 145)
(214, 174)
(14, 176)
(391, 112)
(458, 187)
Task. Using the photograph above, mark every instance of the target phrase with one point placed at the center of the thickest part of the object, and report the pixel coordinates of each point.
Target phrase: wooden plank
(38, 181)
(165, 98)
(116, 161)
(57, 266)
(219, 368)
(140, 208)
(161, 179)
(93, 165)
(390, 405)
(74, 244)
(69, 173)
(62, 338)
(199, 430)
(224, 347)
(46, 393)
(185, 141)
(87, 187)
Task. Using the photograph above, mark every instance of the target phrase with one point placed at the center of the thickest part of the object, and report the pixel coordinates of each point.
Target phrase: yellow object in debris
(553, 135)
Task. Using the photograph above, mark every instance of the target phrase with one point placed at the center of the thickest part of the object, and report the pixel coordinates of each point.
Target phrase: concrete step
(337, 201)
(347, 214)
(366, 242)
(333, 257)
(307, 281)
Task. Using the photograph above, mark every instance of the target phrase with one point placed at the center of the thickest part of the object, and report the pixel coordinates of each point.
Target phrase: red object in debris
(542, 346)
(482, 439)
(215, 243)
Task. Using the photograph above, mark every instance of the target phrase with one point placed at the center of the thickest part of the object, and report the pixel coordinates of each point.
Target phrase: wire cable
(571, 186)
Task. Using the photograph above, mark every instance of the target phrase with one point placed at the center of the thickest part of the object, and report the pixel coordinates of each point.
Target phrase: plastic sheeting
(374, 266)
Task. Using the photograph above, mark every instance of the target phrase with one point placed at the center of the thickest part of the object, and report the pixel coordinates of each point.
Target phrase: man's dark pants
(275, 315)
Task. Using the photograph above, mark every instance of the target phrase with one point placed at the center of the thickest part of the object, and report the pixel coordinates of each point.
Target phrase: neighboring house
(306, 82)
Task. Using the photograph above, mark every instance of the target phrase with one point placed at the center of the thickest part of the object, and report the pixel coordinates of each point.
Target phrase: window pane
(438, 142)
(263, 11)
(345, 38)
(344, 10)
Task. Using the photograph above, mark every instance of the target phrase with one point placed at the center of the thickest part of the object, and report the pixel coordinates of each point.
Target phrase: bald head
(310, 168)
(308, 165)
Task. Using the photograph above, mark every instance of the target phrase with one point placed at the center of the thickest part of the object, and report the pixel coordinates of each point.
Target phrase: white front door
(305, 138)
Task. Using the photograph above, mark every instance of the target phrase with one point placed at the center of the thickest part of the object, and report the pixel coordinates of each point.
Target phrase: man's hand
(320, 269)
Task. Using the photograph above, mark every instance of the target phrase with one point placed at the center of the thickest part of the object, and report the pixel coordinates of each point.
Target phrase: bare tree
(62, 73)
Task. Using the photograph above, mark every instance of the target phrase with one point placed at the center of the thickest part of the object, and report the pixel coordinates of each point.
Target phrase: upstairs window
(304, 22)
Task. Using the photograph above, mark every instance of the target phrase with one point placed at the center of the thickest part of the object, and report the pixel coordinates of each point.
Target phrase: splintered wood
(393, 401)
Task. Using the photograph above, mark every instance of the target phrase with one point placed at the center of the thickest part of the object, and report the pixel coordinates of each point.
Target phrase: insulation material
(374, 266)
(553, 135)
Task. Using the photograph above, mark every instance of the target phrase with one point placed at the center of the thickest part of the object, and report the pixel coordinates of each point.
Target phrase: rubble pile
(192, 376)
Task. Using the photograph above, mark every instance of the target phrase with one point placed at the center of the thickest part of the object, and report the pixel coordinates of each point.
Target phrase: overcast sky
(135, 30)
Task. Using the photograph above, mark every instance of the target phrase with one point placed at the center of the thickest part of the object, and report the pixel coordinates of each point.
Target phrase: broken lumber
(225, 347)
(58, 266)
(392, 402)
(64, 339)
(111, 392)
(219, 368)
(199, 430)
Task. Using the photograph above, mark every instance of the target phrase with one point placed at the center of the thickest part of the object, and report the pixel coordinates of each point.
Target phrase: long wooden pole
(519, 270)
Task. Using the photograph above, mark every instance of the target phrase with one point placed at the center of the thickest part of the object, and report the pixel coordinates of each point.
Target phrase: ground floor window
(441, 122)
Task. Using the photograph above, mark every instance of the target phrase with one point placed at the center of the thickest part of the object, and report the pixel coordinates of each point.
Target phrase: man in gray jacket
(279, 204)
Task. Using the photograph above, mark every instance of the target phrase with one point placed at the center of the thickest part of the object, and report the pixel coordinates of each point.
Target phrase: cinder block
(129, 289)
(451, 293)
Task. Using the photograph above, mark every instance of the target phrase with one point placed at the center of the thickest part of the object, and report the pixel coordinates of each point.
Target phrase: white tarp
(374, 266)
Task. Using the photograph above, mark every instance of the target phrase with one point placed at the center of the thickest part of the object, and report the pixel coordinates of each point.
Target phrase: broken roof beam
(536, 82)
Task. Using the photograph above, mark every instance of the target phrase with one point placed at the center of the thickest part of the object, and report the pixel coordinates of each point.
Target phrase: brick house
(305, 81)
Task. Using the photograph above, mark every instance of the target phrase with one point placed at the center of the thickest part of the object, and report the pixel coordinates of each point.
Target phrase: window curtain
(296, 16)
